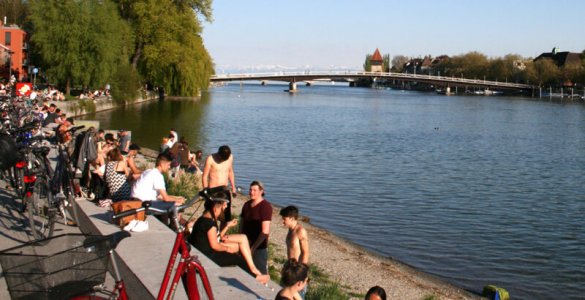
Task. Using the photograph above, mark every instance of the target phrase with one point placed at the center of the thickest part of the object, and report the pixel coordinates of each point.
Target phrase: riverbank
(77, 108)
(354, 268)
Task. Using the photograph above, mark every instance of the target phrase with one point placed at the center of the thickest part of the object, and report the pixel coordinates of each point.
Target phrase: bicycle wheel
(41, 213)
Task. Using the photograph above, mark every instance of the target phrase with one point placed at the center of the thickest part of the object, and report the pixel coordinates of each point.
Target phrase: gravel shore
(357, 269)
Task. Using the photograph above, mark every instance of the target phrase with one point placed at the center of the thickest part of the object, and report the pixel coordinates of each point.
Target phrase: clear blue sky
(325, 33)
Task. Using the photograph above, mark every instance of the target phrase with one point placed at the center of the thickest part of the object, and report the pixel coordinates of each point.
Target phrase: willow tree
(79, 42)
(168, 48)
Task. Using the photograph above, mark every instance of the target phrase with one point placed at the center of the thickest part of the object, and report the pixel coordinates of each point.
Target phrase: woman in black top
(224, 250)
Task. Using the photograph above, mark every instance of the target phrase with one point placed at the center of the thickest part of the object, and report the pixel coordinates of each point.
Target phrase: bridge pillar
(292, 86)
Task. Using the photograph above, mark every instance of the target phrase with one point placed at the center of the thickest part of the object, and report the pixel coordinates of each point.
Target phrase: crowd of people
(113, 167)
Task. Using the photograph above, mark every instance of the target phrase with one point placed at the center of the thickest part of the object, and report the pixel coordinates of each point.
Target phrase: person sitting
(164, 147)
(224, 249)
(151, 186)
(294, 278)
(131, 160)
(116, 176)
(376, 293)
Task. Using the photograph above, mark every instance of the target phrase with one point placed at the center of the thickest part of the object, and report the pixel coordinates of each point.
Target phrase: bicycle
(188, 267)
(63, 267)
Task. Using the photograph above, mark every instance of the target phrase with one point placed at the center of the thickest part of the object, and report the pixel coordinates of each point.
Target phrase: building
(15, 39)
(561, 59)
(377, 62)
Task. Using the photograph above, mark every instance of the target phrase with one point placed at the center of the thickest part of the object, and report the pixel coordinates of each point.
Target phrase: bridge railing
(311, 75)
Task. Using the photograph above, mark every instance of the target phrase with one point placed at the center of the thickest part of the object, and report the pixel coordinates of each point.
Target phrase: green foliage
(185, 184)
(547, 72)
(83, 106)
(79, 42)
(169, 50)
(327, 291)
(14, 10)
(125, 84)
(430, 297)
(386, 63)
(368, 63)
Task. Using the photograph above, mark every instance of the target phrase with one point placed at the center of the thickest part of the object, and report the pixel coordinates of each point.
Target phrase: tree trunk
(67, 88)
(136, 56)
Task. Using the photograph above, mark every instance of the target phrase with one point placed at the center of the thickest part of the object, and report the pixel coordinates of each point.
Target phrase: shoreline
(341, 259)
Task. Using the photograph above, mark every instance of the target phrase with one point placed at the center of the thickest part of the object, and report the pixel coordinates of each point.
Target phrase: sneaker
(140, 226)
(131, 225)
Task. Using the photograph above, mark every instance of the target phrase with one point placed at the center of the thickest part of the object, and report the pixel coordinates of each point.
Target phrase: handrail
(310, 75)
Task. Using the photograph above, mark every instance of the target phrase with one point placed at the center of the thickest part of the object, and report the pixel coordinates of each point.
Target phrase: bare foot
(263, 278)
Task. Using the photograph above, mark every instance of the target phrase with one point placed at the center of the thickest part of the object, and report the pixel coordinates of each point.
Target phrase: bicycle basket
(56, 268)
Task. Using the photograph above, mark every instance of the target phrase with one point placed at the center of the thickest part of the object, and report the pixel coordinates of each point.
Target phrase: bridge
(352, 76)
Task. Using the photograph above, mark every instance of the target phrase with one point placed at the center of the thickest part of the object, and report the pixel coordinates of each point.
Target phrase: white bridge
(351, 76)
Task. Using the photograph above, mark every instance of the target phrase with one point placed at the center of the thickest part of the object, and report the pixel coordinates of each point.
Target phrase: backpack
(493, 292)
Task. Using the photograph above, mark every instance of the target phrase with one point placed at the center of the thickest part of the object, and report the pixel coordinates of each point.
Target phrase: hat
(134, 147)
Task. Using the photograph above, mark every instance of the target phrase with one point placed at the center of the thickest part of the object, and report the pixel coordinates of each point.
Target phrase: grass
(321, 286)
(184, 184)
(430, 297)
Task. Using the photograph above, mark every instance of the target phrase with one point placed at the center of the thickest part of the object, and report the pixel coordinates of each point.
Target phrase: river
(475, 190)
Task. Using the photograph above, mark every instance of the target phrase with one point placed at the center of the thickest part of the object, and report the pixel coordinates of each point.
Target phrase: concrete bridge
(351, 76)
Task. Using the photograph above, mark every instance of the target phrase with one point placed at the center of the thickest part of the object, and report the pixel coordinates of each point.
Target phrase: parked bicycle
(189, 268)
(70, 266)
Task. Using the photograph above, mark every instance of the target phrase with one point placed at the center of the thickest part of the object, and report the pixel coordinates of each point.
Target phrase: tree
(15, 11)
(398, 62)
(546, 72)
(386, 63)
(79, 42)
(368, 63)
(168, 48)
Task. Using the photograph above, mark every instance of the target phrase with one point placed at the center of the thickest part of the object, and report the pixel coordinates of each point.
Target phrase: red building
(15, 39)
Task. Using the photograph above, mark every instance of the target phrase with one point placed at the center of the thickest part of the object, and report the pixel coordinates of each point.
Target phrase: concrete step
(143, 258)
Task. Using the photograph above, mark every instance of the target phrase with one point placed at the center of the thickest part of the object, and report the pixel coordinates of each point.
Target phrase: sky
(337, 34)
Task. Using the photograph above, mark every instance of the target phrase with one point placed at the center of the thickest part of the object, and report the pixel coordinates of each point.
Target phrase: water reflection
(150, 121)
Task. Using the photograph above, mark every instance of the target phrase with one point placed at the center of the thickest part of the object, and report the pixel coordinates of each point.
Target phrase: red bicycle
(189, 267)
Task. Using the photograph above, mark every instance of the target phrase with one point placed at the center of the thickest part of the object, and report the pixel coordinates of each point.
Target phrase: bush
(126, 84)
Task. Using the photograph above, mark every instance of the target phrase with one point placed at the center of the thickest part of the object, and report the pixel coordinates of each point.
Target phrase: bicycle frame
(187, 268)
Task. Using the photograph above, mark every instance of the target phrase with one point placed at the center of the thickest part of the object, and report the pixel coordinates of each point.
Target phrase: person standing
(124, 138)
(219, 171)
(297, 239)
(256, 218)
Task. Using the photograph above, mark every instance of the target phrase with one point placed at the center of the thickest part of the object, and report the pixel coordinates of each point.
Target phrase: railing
(308, 75)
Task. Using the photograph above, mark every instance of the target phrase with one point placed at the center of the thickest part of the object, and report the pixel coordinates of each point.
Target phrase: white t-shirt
(147, 186)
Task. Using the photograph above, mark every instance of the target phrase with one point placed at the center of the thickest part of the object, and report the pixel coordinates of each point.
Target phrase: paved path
(14, 230)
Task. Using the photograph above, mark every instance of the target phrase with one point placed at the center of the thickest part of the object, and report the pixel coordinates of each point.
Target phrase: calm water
(476, 190)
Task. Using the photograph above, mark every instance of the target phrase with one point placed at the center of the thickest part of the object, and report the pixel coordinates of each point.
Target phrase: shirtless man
(219, 171)
(297, 240)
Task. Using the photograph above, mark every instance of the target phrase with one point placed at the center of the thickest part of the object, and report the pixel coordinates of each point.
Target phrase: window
(7, 38)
